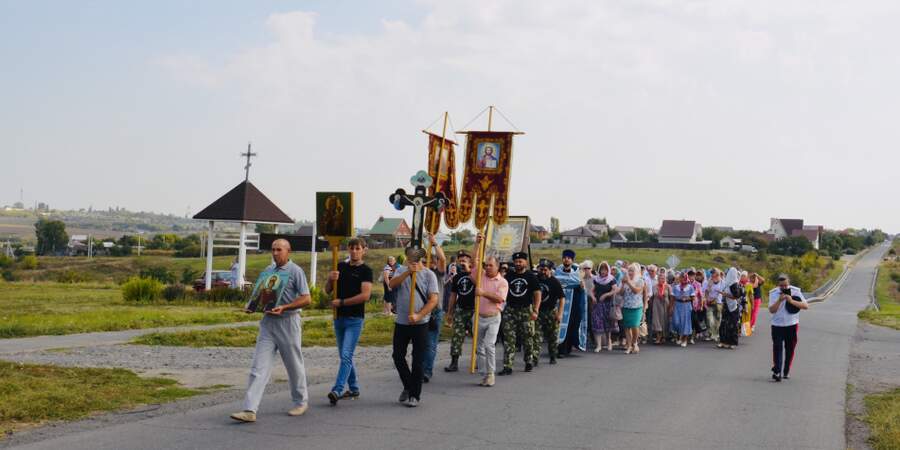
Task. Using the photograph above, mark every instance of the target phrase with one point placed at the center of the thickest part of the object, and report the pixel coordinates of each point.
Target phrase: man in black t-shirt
(522, 303)
(354, 287)
(461, 307)
(550, 313)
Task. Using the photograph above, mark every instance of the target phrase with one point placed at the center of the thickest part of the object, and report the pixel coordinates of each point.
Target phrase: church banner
(442, 168)
(486, 177)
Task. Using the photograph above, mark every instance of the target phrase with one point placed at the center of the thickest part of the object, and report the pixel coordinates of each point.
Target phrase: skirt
(603, 318)
(659, 314)
(681, 320)
(631, 317)
(729, 327)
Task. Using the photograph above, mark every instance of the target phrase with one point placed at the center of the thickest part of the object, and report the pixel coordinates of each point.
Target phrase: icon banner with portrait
(267, 290)
(444, 174)
(508, 238)
(486, 177)
(334, 214)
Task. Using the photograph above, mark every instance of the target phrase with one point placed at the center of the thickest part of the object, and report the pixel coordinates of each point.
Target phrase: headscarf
(603, 279)
(733, 276)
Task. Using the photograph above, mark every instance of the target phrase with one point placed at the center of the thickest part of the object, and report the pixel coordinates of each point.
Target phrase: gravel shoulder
(874, 365)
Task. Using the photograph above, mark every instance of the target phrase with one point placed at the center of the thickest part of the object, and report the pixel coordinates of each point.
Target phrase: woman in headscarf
(633, 307)
(603, 320)
(729, 327)
(757, 280)
(683, 293)
(659, 307)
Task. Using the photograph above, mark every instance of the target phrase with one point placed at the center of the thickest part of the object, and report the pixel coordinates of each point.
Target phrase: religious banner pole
(435, 217)
(420, 201)
(475, 316)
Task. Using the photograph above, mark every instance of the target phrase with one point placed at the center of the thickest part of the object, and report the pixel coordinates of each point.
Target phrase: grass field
(34, 309)
(887, 291)
(883, 418)
(32, 394)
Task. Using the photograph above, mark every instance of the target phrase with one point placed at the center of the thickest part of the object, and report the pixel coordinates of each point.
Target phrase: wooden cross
(420, 201)
(249, 155)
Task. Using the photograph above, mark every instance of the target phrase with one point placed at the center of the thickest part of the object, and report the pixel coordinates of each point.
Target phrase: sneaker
(692, 341)
(776, 377)
(483, 381)
(333, 398)
(352, 395)
(684, 345)
(528, 367)
(489, 380)
(404, 396)
(597, 349)
(505, 371)
(786, 377)
(412, 402)
(298, 410)
(244, 416)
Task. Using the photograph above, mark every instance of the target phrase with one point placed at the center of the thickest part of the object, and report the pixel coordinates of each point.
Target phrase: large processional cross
(420, 201)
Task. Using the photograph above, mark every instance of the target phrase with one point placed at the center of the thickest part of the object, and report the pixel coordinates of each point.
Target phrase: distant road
(666, 398)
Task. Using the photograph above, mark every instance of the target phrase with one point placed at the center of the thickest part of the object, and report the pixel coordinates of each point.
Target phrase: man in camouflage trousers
(522, 302)
(461, 307)
(550, 312)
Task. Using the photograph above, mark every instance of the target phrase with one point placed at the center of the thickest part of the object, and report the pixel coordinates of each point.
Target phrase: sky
(725, 112)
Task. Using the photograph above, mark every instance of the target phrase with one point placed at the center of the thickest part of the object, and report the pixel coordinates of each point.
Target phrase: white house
(579, 236)
(730, 242)
(782, 228)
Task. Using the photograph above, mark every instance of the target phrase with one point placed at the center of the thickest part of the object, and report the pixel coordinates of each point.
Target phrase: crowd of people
(562, 308)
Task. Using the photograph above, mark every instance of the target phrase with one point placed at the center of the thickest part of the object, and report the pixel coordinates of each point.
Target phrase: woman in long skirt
(729, 327)
(603, 320)
(683, 293)
(659, 307)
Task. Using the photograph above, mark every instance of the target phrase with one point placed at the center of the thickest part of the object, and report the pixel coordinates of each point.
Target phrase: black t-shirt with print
(464, 288)
(521, 288)
(349, 285)
(551, 292)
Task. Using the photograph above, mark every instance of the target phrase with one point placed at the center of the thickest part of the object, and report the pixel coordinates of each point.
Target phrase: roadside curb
(841, 279)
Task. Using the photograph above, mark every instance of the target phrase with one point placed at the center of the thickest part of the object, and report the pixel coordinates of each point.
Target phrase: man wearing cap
(522, 303)
(785, 303)
(550, 312)
(573, 329)
(461, 307)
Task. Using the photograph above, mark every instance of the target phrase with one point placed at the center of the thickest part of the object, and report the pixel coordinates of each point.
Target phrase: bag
(643, 329)
(791, 308)
(699, 321)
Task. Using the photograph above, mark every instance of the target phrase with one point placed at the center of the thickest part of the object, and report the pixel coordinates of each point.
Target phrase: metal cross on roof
(249, 155)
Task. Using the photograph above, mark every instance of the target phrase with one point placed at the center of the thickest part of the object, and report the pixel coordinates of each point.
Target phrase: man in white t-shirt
(785, 303)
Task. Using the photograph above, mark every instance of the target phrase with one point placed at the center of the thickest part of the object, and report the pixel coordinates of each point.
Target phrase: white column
(242, 255)
(209, 255)
(313, 255)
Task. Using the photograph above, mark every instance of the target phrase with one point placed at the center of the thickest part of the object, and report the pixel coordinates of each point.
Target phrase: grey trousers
(488, 327)
(281, 334)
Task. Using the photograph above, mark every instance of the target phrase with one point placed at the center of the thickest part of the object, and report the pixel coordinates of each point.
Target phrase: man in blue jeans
(354, 287)
(438, 266)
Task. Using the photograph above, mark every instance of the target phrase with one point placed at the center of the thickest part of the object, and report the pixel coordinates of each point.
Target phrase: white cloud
(618, 98)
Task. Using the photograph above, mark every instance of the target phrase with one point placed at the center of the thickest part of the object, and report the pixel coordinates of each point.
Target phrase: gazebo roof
(244, 203)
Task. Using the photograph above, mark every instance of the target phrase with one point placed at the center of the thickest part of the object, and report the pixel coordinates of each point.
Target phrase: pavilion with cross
(244, 204)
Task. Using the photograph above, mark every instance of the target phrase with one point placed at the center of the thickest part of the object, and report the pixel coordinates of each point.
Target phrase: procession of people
(561, 308)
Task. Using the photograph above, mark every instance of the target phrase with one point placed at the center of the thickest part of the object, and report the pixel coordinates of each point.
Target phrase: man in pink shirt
(490, 295)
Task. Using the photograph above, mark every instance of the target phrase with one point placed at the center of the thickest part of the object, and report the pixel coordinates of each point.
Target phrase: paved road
(697, 398)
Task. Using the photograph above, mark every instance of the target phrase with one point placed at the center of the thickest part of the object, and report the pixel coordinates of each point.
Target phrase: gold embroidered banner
(486, 177)
(442, 168)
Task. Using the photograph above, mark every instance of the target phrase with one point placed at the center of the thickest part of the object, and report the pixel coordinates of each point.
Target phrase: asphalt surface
(665, 397)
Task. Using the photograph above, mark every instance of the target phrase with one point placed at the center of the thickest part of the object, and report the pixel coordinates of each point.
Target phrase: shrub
(29, 262)
(5, 262)
(173, 292)
(190, 251)
(138, 289)
(72, 276)
(223, 295)
(158, 273)
(895, 276)
(188, 275)
(8, 275)
(320, 299)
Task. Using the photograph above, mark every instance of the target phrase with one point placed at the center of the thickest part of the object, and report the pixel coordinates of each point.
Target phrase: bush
(320, 299)
(188, 275)
(72, 276)
(29, 262)
(8, 275)
(5, 262)
(190, 251)
(138, 289)
(158, 273)
(223, 295)
(174, 292)
(895, 276)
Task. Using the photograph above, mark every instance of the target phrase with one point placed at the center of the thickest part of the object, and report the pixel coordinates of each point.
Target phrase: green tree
(51, 236)
(596, 221)
(791, 246)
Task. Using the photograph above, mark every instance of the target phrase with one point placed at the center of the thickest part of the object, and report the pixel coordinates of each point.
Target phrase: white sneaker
(298, 411)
